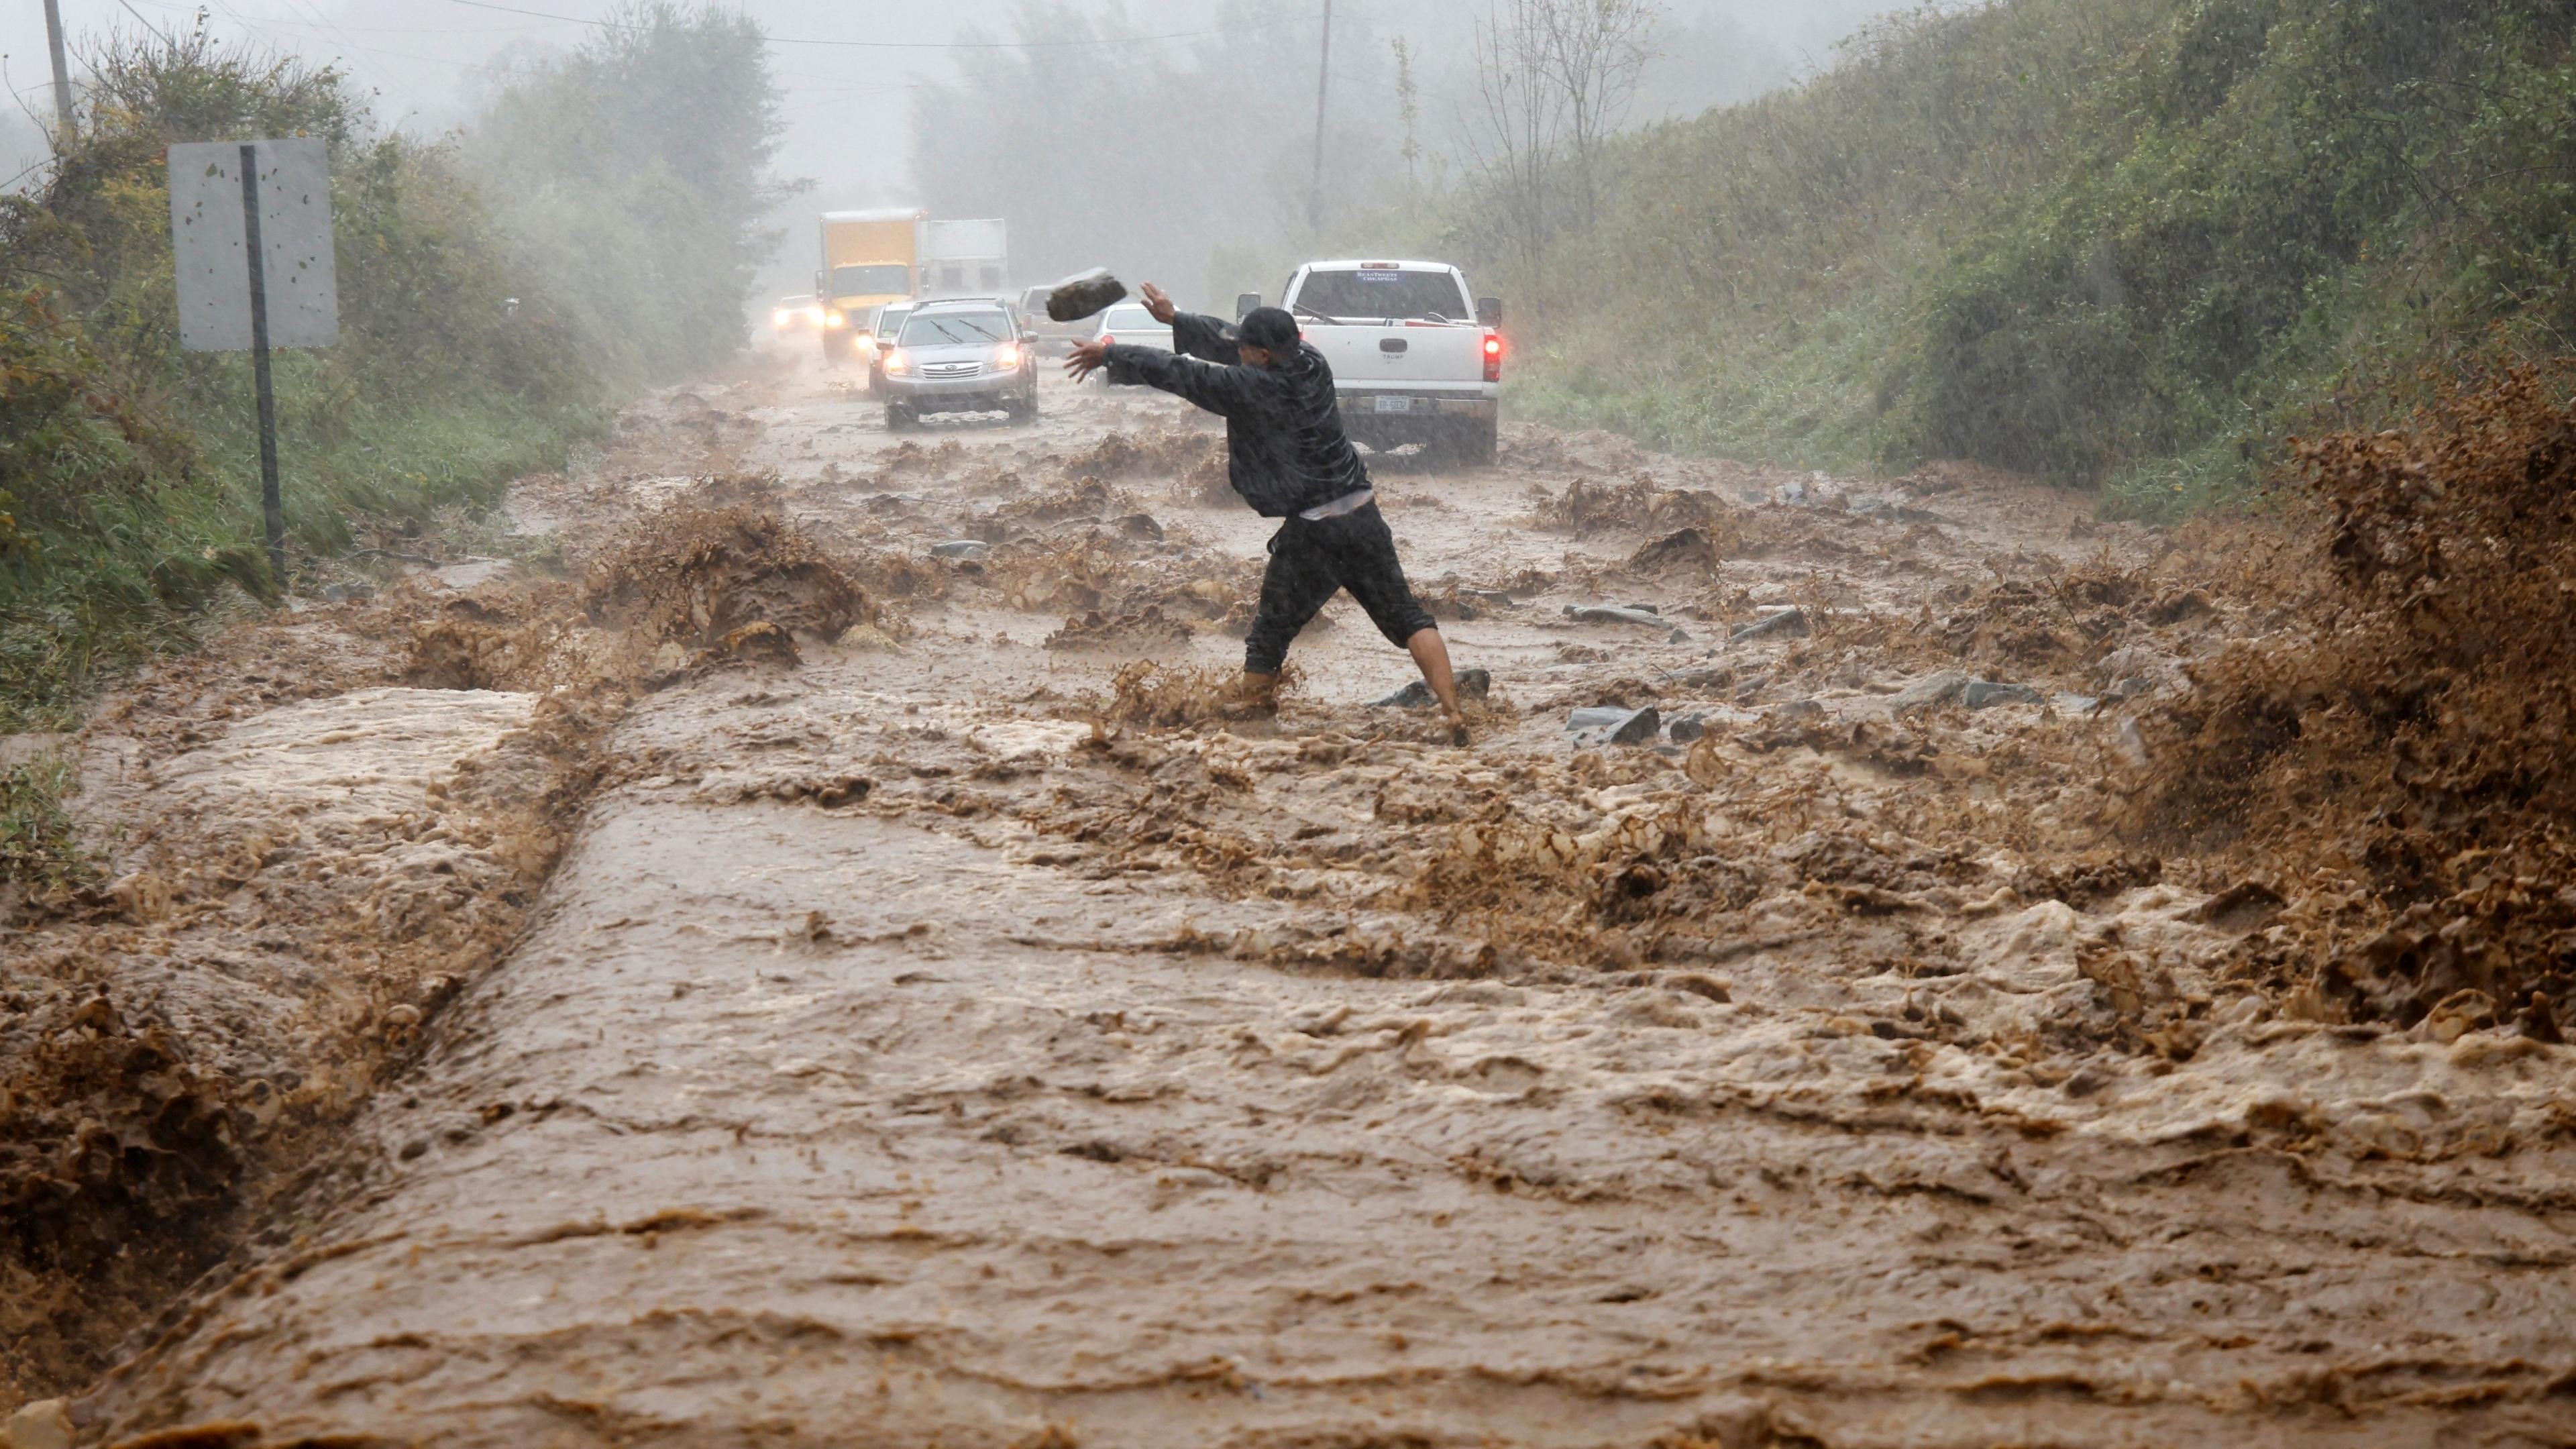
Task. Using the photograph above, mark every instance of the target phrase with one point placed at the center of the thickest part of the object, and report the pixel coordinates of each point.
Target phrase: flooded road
(947, 1027)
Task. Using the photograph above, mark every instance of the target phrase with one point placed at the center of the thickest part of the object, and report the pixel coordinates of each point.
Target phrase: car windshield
(930, 329)
(877, 277)
(1373, 294)
(1128, 319)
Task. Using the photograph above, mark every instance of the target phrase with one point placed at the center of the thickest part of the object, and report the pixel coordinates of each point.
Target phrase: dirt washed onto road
(948, 1027)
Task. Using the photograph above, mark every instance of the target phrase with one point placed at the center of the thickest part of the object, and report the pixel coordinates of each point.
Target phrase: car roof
(963, 302)
(1357, 265)
(797, 297)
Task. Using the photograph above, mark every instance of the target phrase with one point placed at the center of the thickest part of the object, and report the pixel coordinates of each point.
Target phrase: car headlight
(896, 362)
(834, 319)
(1006, 356)
(814, 315)
(778, 318)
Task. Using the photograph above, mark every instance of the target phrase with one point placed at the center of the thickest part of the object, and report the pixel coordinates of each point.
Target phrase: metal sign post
(250, 237)
(272, 503)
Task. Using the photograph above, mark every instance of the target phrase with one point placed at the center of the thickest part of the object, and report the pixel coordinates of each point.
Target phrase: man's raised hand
(1159, 304)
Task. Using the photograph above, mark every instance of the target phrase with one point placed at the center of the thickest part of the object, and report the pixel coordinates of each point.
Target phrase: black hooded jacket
(1285, 449)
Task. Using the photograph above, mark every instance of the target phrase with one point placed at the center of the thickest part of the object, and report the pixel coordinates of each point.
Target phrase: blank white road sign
(295, 238)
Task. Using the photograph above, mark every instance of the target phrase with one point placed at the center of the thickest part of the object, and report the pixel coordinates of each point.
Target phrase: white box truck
(965, 258)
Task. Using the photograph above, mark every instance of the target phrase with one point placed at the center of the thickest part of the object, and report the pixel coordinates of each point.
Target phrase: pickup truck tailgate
(1433, 356)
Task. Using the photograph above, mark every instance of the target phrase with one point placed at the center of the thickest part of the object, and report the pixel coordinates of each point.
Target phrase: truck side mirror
(822, 287)
(1244, 302)
(1489, 311)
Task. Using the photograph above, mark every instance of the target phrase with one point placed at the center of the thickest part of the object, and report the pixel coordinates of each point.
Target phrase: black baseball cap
(1269, 328)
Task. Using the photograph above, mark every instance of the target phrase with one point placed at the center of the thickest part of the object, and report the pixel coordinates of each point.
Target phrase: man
(1287, 456)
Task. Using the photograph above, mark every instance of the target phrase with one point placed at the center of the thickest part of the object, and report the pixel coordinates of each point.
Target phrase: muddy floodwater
(944, 1024)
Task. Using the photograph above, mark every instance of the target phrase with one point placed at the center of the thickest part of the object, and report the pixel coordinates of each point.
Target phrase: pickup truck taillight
(1493, 357)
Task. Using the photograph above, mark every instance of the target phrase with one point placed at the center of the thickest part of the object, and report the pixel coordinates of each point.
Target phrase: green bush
(128, 468)
(2125, 244)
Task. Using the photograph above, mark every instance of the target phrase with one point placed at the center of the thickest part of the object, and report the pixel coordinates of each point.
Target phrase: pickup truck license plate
(1395, 404)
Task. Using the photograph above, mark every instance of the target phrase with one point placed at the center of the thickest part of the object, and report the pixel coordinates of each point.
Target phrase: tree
(633, 175)
(1553, 80)
(1593, 53)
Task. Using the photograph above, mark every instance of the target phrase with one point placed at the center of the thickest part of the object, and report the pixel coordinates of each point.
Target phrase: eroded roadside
(299, 843)
(949, 1028)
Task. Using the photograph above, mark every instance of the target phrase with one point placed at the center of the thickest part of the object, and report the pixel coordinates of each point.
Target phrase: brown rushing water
(897, 1059)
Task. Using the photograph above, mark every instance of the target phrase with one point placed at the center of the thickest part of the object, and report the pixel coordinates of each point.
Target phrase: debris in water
(1616, 614)
(1980, 693)
(1620, 726)
(1788, 623)
(758, 642)
(1683, 548)
(1472, 684)
(1933, 689)
(1146, 628)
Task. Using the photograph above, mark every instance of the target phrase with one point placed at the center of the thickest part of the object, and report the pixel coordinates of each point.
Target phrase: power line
(146, 24)
(920, 44)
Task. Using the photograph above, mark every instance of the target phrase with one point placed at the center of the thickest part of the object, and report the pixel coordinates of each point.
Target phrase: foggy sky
(425, 63)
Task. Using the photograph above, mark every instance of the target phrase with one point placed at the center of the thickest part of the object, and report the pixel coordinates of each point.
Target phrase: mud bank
(952, 1028)
(303, 846)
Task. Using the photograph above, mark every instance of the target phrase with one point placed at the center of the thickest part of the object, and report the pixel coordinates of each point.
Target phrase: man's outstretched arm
(1225, 391)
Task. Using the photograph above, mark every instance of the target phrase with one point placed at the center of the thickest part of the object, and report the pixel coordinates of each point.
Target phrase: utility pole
(62, 71)
(1323, 82)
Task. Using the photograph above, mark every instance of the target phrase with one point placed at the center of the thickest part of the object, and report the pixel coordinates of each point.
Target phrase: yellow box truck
(869, 259)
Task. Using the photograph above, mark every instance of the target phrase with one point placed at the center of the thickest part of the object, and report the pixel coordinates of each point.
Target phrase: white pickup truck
(1416, 357)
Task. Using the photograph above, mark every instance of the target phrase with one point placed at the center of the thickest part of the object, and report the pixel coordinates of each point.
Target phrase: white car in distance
(1129, 324)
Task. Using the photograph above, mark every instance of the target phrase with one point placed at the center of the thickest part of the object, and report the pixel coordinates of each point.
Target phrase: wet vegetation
(39, 851)
(2129, 246)
(497, 293)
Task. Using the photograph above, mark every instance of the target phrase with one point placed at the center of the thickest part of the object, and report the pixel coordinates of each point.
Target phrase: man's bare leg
(1431, 655)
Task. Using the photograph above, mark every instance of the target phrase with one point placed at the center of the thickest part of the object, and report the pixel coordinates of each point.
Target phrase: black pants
(1309, 559)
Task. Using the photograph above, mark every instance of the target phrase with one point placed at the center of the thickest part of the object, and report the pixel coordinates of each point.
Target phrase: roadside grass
(2126, 245)
(39, 851)
(91, 599)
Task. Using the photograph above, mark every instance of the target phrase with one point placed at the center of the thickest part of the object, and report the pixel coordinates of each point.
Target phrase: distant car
(872, 342)
(1130, 324)
(967, 356)
(796, 313)
(1054, 338)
